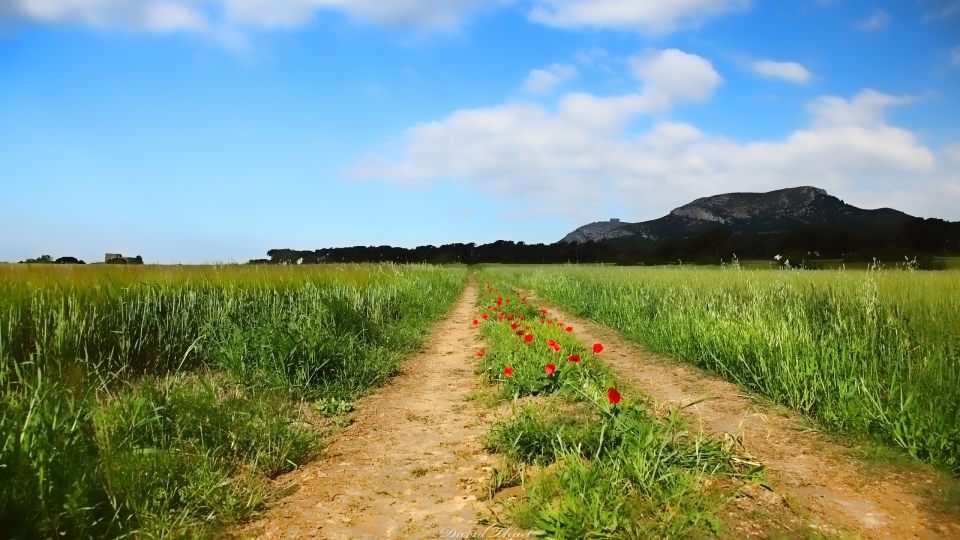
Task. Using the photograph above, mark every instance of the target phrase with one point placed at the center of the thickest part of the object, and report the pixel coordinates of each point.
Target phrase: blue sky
(213, 130)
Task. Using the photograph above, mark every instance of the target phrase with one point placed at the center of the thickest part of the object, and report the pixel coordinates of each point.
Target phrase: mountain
(746, 213)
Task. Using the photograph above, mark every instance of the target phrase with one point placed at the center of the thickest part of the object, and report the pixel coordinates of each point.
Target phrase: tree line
(919, 237)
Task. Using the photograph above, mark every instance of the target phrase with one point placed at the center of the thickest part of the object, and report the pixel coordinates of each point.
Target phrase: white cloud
(877, 21)
(152, 16)
(866, 109)
(675, 75)
(542, 80)
(200, 15)
(654, 16)
(574, 160)
(789, 71)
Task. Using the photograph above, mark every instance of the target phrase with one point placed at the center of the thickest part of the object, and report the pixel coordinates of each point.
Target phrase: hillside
(747, 213)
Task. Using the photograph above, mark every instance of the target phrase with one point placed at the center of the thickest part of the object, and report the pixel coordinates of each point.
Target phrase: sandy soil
(819, 480)
(411, 465)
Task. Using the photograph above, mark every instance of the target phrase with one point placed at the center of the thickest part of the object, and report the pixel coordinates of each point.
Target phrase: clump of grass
(875, 352)
(156, 402)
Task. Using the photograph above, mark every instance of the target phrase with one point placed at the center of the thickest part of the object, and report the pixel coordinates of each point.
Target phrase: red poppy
(484, 316)
(519, 332)
(496, 309)
(521, 317)
(597, 347)
(543, 311)
(514, 326)
(542, 321)
(523, 300)
(508, 300)
(476, 322)
(569, 329)
(551, 343)
(550, 369)
(528, 338)
(574, 358)
(613, 396)
(510, 318)
(480, 353)
(508, 371)
(527, 327)
(489, 307)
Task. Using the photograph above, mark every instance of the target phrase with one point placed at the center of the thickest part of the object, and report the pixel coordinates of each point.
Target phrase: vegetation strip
(874, 352)
(157, 402)
(591, 460)
(861, 489)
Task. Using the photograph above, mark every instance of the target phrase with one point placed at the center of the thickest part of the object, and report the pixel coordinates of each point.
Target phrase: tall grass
(872, 352)
(154, 401)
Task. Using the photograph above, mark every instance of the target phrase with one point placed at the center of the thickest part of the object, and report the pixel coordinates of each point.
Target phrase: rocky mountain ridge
(745, 213)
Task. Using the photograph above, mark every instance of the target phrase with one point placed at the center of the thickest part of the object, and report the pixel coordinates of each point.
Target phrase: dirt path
(412, 463)
(815, 477)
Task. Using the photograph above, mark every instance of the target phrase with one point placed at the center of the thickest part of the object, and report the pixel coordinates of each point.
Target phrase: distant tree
(43, 259)
(69, 260)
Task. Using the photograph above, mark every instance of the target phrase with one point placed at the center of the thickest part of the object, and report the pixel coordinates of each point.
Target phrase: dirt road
(411, 465)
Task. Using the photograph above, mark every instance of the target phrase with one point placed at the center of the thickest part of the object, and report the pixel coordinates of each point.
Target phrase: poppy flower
(484, 316)
(489, 307)
(543, 311)
(496, 309)
(508, 300)
(551, 343)
(569, 329)
(597, 348)
(550, 369)
(476, 322)
(518, 293)
(521, 317)
(574, 358)
(480, 353)
(549, 321)
(542, 321)
(528, 327)
(528, 338)
(519, 332)
(514, 326)
(613, 396)
(510, 318)
(508, 371)
(523, 300)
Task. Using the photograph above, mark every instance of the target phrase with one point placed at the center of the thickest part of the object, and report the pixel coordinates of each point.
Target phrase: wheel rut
(412, 463)
(819, 480)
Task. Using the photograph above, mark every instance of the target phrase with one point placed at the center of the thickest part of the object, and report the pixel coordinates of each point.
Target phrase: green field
(157, 401)
(869, 352)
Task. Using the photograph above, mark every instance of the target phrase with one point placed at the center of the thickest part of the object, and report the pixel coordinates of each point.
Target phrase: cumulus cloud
(654, 16)
(543, 80)
(198, 15)
(573, 160)
(788, 71)
(877, 21)
(673, 75)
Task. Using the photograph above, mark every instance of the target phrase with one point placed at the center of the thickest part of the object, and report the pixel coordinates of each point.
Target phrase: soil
(824, 483)
(411, 465)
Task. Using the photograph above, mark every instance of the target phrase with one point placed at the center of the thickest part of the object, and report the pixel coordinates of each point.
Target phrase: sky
(213, 130)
